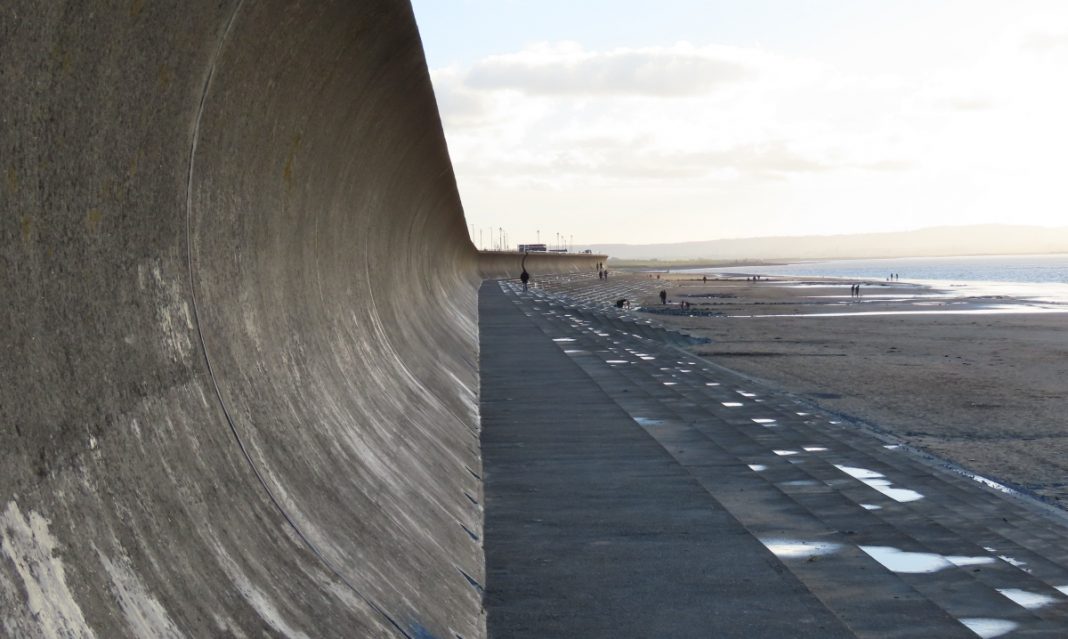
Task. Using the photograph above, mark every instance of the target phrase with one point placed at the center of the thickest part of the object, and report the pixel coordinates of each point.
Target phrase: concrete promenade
(632, 490)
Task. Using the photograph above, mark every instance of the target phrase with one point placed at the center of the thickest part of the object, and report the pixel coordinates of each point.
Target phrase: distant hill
(985, 239)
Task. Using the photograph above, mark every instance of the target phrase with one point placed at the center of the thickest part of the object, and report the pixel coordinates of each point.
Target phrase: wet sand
(985, 387)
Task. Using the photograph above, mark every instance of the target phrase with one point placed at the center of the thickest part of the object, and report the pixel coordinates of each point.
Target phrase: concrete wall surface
(506, 264)
(238, 385)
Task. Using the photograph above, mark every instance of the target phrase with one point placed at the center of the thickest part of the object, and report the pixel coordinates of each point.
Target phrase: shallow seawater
(999, 309)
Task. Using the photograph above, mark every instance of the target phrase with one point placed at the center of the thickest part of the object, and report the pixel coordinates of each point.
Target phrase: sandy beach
(978, 381)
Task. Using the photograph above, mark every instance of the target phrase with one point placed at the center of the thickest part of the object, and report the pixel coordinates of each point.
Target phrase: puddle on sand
(711, 383)
(891, 446)
(757, 467)
(796, 548)
(803, 414)
(576, 352)
(732, 404)
(879, 482)
(1063, 589)
(784, 453)
(563, 339)
(871, 507)
(814, 449)
(897, 560)
(648, 421)
(989, 628)
(746, 394)
(647, 357)
(799, 482)
(616, 361)
(669, 383)
(1027, 599)
(763, 420)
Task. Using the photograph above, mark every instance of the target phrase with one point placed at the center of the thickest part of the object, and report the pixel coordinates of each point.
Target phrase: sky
(679, 120)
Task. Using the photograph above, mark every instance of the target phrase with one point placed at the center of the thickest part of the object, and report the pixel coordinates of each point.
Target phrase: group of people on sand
(683, 304)
(894, 277)
(602, 274)
(854, 291)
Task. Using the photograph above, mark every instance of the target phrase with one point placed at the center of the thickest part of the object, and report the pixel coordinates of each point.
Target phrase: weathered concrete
(239, 342)
(504, 264)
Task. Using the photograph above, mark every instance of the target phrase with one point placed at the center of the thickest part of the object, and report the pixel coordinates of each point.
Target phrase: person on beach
(704, 279)
(663, 297)
(525, 278)
(606, 274)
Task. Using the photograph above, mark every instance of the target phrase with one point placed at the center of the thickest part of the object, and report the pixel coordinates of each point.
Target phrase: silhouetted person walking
(525, 278)
(663, 297)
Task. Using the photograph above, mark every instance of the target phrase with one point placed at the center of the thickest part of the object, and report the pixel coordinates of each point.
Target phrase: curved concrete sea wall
(238, 386)
(503, 264)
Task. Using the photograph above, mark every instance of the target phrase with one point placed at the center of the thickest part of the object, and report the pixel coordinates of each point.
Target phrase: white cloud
(1045, 41)
(568, 69)
(716, 135)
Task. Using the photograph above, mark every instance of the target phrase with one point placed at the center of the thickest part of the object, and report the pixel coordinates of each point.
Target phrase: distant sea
(999, 268)
(1042, 277)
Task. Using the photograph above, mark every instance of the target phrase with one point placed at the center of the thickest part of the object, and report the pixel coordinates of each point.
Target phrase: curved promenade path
(634, 490)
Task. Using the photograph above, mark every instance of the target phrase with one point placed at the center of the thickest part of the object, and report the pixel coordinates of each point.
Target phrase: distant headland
(983, 239)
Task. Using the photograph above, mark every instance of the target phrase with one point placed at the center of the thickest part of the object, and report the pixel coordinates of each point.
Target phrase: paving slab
(892, 543)
(593, 529)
